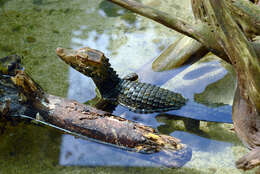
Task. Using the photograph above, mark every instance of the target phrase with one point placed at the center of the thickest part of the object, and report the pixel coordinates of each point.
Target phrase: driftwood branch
(178, 53)
(246, 14)
(173, 22)
(250, 160)
(89, 122)
(246, 104)
(239, 50)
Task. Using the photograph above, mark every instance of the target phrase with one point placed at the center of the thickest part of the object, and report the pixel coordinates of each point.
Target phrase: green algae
(27, 148)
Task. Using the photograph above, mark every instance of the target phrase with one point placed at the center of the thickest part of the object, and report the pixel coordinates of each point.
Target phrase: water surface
(35, 28)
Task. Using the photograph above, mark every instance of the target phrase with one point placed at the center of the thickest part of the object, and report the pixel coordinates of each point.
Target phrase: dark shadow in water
(192, 109)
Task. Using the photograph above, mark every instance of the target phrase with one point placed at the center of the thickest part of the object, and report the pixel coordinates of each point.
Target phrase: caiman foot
(250, 160)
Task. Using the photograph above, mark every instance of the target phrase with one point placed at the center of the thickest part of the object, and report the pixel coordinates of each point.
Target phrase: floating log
(92, 123)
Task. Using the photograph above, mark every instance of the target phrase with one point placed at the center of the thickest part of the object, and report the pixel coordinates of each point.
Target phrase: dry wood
(246, 124)
(246, 14)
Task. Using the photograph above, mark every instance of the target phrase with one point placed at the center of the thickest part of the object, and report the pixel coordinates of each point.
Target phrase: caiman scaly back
(137, 96)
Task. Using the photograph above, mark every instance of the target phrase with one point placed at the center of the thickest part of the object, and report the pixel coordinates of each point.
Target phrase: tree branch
(178, 53)
(199, 31)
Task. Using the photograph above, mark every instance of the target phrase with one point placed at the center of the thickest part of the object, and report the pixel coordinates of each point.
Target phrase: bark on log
(246, 124)
(246, 14)
(92, 123)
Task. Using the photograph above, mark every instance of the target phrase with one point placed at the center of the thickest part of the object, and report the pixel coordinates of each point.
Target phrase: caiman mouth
(64, 53)
(59, 51)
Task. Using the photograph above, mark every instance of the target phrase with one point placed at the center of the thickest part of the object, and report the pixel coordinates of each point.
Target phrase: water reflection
(82, 152)
(207, 151)
(88, 23)
(188, 80)
(132, 45)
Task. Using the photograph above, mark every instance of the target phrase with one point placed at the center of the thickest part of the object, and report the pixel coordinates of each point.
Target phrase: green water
(35, 28)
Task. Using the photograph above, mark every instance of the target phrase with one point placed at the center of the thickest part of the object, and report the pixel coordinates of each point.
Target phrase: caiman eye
(78, 56)
(95, 56)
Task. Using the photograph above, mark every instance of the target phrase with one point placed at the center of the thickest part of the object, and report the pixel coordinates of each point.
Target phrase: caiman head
(92, 63)
(86, 60)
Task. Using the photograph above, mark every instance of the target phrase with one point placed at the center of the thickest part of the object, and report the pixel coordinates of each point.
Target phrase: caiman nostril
(59, 50)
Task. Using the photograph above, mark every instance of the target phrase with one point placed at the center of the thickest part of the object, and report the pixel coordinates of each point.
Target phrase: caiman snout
(59, 51)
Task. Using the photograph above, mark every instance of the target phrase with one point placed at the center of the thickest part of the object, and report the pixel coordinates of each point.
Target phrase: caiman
(138, 97)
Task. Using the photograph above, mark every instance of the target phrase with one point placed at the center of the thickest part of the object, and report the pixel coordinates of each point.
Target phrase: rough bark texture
(96, 124)
(246, 124)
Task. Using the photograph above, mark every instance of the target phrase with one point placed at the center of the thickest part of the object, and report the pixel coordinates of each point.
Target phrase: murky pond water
(35, 28)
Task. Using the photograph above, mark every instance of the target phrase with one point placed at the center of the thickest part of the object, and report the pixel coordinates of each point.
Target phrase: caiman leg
(131, 77)
(139, 97)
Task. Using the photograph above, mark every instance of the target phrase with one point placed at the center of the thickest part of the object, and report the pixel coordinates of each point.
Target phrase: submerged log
(90, 122)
